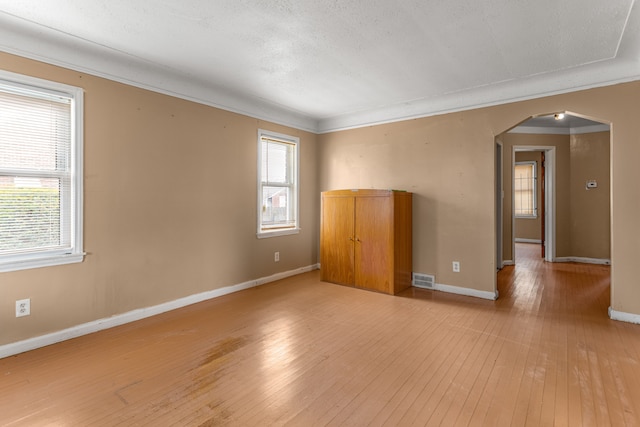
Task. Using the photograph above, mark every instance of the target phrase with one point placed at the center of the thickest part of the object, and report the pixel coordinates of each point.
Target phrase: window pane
(34, 133)
(40, 173)
(29, 213)
(276, 207)
(524, 189)
(277, 186)
(275, 162)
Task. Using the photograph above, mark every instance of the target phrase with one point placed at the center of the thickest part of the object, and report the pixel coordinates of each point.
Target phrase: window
(40, 173)
(278, 184)
(525, 202)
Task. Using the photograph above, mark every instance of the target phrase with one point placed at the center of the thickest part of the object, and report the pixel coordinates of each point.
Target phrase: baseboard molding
(583, 260)
(624, 317)
(520, 240)
(465, 291)
(508, 262)
(131, 316)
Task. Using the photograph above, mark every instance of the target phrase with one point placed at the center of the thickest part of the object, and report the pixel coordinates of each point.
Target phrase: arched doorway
(575, 221)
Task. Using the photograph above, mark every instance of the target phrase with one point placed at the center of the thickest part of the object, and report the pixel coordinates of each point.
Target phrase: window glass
(40, 173)
(278, 185)
(525, 189)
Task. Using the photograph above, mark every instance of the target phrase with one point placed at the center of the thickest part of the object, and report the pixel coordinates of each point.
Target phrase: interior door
(373, 243)
(337, 250)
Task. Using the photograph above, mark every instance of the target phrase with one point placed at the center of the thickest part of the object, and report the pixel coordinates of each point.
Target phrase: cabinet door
(337, 231)
(374, 247)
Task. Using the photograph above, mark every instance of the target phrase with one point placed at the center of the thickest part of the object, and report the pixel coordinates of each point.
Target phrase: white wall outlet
(456, 266)
(23, 307)
(276, 256)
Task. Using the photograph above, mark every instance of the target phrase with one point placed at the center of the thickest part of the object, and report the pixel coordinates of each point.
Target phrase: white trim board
(583, 260)
(138, 314)
(463, 291)
(624, 317)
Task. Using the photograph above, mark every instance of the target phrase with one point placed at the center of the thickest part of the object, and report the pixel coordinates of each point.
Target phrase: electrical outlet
(276, 256)
(456, 266)
(23, 307)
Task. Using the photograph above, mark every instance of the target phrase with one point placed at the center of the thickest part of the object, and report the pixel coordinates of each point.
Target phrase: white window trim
(534, 164)
(293, 140)
(75, 254)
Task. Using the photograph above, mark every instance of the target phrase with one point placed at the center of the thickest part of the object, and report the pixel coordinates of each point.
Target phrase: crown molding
(34, 41)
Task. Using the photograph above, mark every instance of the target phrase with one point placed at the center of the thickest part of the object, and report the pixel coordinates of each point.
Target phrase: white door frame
(549, 199)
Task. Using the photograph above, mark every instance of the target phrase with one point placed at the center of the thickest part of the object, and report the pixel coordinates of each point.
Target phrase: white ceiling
(569, 124)
(568, 121)
(323, 65)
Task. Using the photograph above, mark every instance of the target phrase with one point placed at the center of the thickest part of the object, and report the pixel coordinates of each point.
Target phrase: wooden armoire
(365, 239)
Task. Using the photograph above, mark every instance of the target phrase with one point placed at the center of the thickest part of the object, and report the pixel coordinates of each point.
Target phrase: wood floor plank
(301, 352)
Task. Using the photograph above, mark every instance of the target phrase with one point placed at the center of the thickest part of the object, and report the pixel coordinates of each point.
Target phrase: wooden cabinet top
(364, 192)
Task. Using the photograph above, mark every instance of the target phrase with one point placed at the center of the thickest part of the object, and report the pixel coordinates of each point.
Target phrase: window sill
(267, 234)
(25, 263)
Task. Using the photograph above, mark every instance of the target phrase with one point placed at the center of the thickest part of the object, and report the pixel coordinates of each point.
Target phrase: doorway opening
(567, 212)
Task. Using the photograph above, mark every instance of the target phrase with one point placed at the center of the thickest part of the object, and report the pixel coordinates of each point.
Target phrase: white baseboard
(520, 240)
(508, 262)
(464, 291)
(624, 317)
(583, 260)
(131, 316)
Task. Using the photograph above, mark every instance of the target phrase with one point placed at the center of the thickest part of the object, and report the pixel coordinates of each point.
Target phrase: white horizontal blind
(525, 189)
(35, 171)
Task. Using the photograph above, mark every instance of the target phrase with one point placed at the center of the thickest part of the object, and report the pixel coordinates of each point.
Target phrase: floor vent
(423, 280)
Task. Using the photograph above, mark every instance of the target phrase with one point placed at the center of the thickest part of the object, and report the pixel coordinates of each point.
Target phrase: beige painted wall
(531, 228)
(170, 208)
(590, 209)
(448, 162)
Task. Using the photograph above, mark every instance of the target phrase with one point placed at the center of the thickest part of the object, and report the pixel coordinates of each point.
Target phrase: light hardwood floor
(301, 352)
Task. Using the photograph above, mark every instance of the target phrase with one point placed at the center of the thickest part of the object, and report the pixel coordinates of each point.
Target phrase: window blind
(35, 171)
(525, 189)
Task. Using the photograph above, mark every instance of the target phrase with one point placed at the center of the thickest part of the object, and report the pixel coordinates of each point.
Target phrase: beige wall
(590, 209)
(170, 208)
(531, 228)
(448, 162)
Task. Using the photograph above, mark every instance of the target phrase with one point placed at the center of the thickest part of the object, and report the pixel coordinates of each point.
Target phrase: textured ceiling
(322, 65)
(568, 121)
